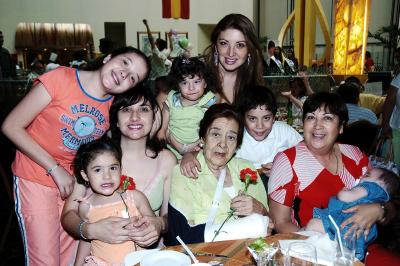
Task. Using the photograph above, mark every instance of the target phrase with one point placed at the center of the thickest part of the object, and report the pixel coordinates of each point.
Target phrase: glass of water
(301, 254)
(345, 256)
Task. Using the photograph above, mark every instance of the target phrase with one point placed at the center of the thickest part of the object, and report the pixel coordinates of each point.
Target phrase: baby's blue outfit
(376, 194)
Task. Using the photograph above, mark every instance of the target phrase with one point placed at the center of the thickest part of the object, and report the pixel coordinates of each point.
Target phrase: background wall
(204, 14)
(96, 12)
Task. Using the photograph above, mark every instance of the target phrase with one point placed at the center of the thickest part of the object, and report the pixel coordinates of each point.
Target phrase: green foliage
(388, 35)
(260, 245)
(263, 40)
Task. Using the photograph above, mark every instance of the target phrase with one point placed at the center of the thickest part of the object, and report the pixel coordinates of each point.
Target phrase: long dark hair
(128, 98)
(247, 74)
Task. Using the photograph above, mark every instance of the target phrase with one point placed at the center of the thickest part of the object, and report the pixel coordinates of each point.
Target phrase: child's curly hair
(183, 67)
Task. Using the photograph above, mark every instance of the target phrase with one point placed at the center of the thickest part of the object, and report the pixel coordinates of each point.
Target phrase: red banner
(175, 9)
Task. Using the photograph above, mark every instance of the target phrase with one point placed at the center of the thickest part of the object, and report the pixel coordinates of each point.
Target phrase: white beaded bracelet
(82, 222)
(50, 170)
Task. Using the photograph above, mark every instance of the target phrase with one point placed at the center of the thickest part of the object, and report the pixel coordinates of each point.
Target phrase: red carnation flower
(248, 176)
(127, 183)
(248, 173)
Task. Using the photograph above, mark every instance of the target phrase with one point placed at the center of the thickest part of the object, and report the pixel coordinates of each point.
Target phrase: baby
(378, 185)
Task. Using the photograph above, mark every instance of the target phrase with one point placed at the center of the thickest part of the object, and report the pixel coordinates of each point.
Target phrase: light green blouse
(193, 197)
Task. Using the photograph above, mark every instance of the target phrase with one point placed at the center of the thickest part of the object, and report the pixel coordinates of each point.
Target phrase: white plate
(166, 258)
(134, 258)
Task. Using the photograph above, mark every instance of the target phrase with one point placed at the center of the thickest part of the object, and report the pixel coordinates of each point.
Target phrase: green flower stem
(126, 206)
(219, 229)
(246, 184)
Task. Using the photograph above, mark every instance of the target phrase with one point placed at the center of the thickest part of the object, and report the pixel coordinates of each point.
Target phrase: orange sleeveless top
(113, 253)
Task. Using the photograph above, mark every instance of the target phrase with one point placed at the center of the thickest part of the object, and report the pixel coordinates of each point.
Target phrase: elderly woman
(306, 176)
(191, 200)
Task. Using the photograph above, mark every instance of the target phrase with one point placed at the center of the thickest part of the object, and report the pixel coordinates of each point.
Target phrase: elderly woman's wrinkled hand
(244, 205)
(144, 231)
(365, 215)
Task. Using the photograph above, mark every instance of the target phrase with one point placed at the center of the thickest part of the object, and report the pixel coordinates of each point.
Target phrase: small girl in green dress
(186, 103)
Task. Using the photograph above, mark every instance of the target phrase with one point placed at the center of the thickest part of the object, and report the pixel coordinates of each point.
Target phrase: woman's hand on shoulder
(190, 166)
(365, 215)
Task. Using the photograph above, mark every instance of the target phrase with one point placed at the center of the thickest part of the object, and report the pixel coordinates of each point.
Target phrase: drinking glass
(277, 260)
(265, 259)
(349, 249)
(301, 254)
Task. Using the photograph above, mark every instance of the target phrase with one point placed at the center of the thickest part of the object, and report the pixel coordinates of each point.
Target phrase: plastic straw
(338, 234)
(187, 250)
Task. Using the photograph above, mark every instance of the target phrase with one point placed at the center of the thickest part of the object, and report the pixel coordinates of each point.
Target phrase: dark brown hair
(189, 67)
(89, 151)
(391, 180)
(329, 102)
(128, 98)
(300, 84)
(119, 51)
(222, 110)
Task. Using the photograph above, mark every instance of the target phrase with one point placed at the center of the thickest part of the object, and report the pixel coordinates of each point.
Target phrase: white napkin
(134, 258)
(252, 226)
(326, 248)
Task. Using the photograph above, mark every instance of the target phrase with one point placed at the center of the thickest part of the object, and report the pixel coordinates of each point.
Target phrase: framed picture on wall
(143, 43)
(175, 39)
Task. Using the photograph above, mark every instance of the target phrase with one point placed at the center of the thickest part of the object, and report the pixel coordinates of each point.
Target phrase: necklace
(337, 163)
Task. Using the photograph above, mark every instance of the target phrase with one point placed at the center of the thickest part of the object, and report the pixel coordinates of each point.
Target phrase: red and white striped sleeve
(279, 188)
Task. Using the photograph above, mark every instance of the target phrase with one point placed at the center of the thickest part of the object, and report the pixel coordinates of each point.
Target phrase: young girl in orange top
(98, 165)
(65, 108)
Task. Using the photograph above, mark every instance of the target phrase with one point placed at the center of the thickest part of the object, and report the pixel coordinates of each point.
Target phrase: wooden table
(236, 250)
